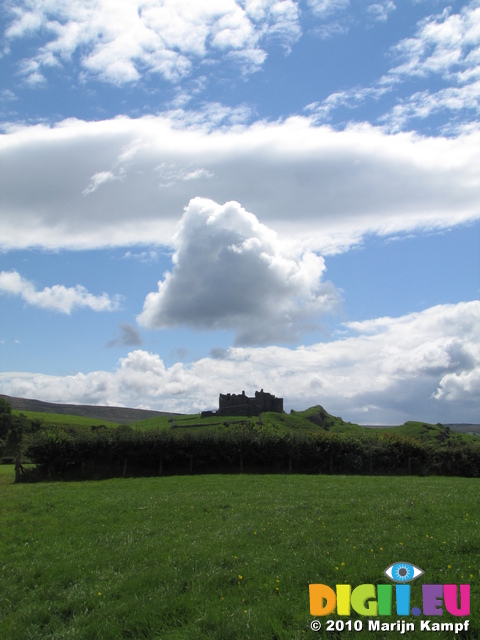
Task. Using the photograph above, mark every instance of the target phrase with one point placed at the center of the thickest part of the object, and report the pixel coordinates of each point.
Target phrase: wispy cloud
(128, 336)
(326, 8)
(57, 297)
(380, 11)
(98, 179)
(147, 256)
(445, 46)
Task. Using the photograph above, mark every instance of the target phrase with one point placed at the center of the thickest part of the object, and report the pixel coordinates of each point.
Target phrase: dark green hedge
(108, 453)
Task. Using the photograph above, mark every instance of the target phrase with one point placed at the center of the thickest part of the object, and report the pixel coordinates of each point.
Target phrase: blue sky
(208, 197)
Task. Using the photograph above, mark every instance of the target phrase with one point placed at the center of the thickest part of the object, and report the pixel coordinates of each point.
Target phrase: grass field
(221, 557)
(63, 420)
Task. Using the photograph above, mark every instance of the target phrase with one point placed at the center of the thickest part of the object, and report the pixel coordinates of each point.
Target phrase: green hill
(102, 414)
(312, 420)
(64, 420)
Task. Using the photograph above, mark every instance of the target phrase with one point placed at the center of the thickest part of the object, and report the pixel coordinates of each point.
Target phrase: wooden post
(124, 472)
(18, 466)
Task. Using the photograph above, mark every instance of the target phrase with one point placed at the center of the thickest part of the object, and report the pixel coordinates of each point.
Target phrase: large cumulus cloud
(230, 271)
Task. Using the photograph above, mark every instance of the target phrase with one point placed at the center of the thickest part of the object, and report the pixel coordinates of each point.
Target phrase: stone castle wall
(242, 405)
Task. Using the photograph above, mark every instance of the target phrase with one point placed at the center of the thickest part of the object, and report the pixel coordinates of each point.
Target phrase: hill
(311, 420)
(120, 415)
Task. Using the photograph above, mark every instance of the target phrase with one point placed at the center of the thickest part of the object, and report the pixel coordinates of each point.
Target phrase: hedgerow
(123, 451)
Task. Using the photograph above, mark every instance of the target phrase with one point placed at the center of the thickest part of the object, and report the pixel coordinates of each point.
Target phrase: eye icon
(403, 572)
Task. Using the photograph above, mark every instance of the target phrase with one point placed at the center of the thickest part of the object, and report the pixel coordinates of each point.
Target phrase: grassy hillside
(63, 420)
(99, 413)
(314, 419)
(222, 557)
(425, 432)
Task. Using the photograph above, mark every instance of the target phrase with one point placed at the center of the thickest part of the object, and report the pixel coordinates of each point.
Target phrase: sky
(224, 195)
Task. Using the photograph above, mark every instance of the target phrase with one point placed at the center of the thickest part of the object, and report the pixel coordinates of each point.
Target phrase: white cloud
(349, 98)
(147, 256)
(447, 47)
(324, 8)
(422, 104)
(57, 297)
(333, 17)
(380, 11)
(118, 42)
(423, 366)
(232, 272)
(320, 188)
(97, 180)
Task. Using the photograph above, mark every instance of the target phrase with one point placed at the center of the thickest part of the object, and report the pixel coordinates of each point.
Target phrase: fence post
(124, 472)
(18, 466)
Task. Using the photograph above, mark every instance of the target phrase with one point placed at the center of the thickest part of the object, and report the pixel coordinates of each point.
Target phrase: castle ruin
(232, 404)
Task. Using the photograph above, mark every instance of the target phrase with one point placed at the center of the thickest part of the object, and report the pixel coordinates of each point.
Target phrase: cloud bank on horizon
(235, 152)
(389, 366)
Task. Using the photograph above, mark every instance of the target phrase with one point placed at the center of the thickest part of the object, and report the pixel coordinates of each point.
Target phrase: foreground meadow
(221, 557)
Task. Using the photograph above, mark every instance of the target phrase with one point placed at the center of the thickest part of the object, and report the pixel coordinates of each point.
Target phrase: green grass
(435, 433)
(63, 420)
(220, 557)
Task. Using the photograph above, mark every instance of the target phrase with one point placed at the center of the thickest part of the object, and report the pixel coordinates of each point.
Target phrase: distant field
(59, 419)
(221, 557)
